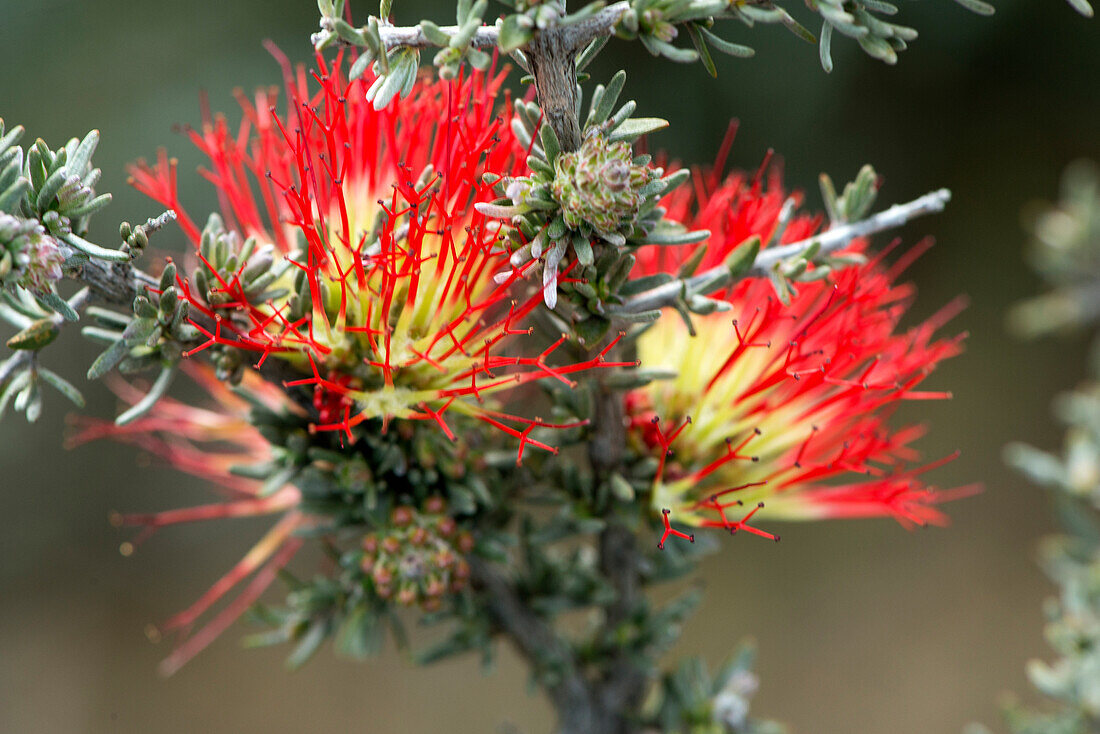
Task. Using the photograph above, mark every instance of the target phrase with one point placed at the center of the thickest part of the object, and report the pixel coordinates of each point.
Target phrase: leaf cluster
(47, 199)
(597, 247)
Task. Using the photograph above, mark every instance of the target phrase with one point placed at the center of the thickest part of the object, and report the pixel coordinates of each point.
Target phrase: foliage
(656, 24)
(47, 199)
(1065, 247)
(594, 206)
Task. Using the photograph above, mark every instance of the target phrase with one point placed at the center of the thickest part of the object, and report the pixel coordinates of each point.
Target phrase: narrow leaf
(984, 8)
(107, 361)
(62, 385)
(732, 49)
(156, 392)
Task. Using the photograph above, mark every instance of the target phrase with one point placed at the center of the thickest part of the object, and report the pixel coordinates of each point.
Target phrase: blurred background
(862, 626)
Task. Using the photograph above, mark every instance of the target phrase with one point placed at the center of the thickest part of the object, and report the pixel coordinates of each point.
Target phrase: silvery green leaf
(89, 207)
(365, 59)
(36, 336)
(30, 402)
(1081, 6)
(602, 108)
(515, 32)
(11, 137)
(624, 113)
(583, 60)
(675, 234)
(583, 248)
(15, 316)
(978, 6)
(732, 49)
(10, 197)
(49, 189)
(639, 317)
(825, 45)
(51, 300)
(101, 335)
(636, 127)
(156, 392)
(797, 28)
(498, 211)
(881, 7)
(348, 33)
(673, 53)
(550, 145)
(62, 385)
(15, 386)
(701, 48)
(81, 160)
(741, 260)
(433, 33)
(100, 253)
(107, 361)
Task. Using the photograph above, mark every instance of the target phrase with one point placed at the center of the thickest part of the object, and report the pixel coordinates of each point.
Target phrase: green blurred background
(862, 626)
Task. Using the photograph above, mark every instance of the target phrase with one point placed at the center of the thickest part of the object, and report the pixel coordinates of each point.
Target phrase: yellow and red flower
(390, 307)
(781, 411)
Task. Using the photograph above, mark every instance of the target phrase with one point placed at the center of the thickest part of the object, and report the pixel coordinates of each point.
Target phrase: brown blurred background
(862, 626)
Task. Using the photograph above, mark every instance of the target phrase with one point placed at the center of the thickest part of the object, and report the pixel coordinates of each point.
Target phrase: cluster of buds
(601, 187)
(230, 268)
(418, 558)
(28, 257)
(234, 271)
(584, 213)
(649, 21)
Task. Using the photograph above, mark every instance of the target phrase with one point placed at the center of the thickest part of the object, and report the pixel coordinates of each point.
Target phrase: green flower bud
(600, 187)
(28, 256)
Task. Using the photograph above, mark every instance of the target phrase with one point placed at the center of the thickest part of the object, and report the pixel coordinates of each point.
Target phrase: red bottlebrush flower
(207, 442)
(389, 303)
(781, 411)
(733, 209)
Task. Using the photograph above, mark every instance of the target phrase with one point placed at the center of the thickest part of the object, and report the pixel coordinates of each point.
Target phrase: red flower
(782, 411)
(389, 303)
(207, 442)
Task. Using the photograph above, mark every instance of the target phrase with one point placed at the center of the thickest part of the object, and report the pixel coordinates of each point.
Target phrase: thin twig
(538, 642)
(600, 23)
(833, 239)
